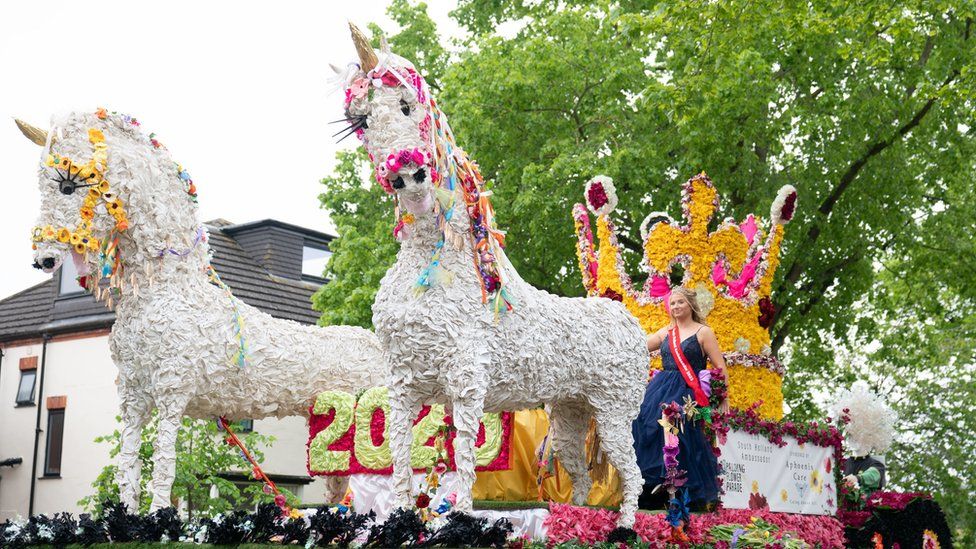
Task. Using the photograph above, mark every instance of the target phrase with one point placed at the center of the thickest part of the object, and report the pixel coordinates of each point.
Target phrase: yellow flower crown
(92, 177)
(731, 269)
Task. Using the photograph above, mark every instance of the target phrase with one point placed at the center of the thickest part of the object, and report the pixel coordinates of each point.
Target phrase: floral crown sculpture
(731, 269)
(432, 153)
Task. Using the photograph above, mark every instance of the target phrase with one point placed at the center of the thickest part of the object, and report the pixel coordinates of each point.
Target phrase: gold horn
(367, 57)
(36, 135)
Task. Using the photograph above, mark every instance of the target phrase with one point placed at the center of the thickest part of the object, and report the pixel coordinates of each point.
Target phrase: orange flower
(101, 113)
(87, 213)
(122, 225)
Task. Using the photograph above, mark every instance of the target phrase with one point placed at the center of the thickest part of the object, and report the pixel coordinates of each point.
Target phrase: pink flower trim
(567, 523)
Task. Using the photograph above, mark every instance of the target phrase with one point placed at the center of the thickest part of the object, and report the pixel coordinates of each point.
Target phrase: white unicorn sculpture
(458, 324)
(114, 199)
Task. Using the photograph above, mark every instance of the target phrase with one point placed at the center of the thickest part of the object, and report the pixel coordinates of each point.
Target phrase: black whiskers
(354, 124)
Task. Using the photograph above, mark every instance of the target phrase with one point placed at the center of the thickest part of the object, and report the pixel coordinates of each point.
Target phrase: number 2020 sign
(350, 436)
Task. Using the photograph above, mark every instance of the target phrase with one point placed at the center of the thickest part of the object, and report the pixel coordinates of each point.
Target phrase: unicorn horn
(367, 57)
(37, 135)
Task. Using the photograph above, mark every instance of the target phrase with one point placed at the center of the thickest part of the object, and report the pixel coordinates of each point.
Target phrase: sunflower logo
(783, 495)
(816, 482)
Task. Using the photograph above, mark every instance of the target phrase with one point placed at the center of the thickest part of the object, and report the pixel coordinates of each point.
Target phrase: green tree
(201, 456)
(865, 106)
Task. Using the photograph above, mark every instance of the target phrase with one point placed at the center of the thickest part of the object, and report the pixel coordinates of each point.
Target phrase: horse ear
(35, 134)
(336, 69)
(384, 45)
(367, 57)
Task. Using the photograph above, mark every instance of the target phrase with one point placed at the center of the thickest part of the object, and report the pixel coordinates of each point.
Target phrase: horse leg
(617, 440)
(466, 388)
(171, 405)
(135, 414)
(570, 421)
(335, 488)
(404, 408)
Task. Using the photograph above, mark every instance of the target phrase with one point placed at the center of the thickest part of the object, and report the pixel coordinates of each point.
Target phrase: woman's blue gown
(694, 451)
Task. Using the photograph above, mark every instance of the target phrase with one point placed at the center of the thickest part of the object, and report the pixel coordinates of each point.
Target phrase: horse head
(389, 107)
(105, 185)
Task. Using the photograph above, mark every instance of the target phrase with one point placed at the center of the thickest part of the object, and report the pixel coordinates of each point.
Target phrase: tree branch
(819, 287)
(793, 274)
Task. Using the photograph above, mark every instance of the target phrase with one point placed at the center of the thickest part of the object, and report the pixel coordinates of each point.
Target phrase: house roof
(39, 309)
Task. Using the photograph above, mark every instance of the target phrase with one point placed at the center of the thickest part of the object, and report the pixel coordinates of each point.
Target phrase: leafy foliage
(201, 457)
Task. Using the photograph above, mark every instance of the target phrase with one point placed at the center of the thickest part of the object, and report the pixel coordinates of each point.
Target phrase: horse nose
(48, 263)
(399, 183)
(37, 265)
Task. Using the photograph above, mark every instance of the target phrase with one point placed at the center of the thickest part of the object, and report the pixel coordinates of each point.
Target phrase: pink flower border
(567, 523)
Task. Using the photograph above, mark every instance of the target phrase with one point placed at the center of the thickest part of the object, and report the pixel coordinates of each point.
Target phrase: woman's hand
(724, 406)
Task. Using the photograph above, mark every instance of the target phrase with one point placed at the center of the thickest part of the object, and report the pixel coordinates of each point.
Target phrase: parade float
(785, 483)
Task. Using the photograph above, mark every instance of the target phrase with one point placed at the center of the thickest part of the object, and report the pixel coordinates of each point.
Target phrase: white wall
(82, 370)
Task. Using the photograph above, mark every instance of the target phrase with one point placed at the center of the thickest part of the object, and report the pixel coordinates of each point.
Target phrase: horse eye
(67, 188)
(405, 108)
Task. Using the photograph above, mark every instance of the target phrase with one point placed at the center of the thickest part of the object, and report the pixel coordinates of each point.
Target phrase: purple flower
(670, 456)
(735, 537)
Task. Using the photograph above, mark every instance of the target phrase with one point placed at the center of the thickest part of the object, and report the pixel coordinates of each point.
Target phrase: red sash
(687, 372)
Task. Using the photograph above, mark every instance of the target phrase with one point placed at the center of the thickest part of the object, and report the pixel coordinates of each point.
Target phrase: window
(55, 437)
(314, 261)
(69, 279)
(25, 391)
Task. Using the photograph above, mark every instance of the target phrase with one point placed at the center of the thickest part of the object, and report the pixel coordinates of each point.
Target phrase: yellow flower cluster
(92, 175)
(750, 384)
(734, 320)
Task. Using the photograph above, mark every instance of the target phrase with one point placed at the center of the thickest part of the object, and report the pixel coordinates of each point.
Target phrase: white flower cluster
(870, 427)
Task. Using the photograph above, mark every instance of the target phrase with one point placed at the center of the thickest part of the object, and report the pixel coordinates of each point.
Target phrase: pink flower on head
(404, 157)
(418, 157)
(358, 87)
(390, 79)
(393, 163)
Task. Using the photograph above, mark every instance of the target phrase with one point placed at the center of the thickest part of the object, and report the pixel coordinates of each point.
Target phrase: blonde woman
(685, 345)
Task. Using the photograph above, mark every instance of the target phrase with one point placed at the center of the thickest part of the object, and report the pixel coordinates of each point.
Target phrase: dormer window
(68, 284)
(314, 259)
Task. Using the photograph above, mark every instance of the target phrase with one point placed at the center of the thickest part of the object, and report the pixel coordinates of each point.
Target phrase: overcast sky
(237, 91)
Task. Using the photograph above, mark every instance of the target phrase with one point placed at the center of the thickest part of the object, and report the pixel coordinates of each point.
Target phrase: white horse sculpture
(114, 199)
(457, 322)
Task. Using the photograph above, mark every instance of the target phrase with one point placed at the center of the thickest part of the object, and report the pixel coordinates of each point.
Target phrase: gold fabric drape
(518, 483)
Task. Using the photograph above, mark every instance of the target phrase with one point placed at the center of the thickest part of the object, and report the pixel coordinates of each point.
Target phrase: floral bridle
(73, 176)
